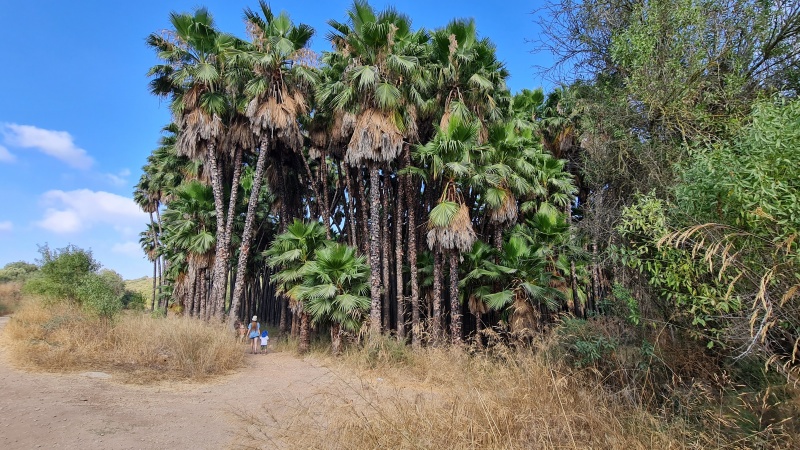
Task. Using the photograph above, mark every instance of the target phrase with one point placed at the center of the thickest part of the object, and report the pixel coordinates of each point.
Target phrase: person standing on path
(254, 334)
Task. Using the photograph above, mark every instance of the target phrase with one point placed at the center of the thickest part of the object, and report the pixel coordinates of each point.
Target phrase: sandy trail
(42, 410)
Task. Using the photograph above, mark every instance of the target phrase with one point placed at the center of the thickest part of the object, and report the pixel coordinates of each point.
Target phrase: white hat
(255, 318)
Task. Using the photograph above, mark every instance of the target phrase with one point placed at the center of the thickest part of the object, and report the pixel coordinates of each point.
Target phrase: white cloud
(120, 178)
(130, 248)
(6, 156)
(57, 144)
(6, 225)
(73, 211)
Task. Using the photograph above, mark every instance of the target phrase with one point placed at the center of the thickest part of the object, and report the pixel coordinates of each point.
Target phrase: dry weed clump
(135, 347)
(10, 297)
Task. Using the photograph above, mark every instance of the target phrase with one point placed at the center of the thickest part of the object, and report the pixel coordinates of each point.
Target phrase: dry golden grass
(443, 398)
(9, 297)
(135, 348)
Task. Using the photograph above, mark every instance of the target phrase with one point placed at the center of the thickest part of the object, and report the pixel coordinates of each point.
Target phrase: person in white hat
(254, 334)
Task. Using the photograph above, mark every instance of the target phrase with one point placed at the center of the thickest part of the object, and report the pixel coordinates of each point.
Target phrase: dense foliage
(72, 274)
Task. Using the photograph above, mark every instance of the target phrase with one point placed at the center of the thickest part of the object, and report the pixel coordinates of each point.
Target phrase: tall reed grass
(134, 347)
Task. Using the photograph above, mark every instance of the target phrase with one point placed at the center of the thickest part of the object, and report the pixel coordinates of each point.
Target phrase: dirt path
(40, 410)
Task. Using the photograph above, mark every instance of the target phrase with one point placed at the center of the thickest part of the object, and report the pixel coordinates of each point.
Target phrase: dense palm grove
(393, 185)
(403, 147)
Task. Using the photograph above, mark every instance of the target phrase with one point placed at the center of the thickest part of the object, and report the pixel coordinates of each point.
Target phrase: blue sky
(77, 122)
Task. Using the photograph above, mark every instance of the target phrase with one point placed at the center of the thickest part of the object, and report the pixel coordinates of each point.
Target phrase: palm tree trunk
(305, 336)
(282, 324)
(436, 320)
(247, 234)
(237, 175)
(351, 216)
(155, 270)
(198, 294)
(398, 241)
(221, 251)
(374, 256)
(478, 328)
(295, 325)
(325, 207)
(455, 304)
(363, 207)
(498, 238)
(336, 338)
(160, 255)
(411, 206)
(154, 252)
(386, 251)
(160, 277)
(573, 284)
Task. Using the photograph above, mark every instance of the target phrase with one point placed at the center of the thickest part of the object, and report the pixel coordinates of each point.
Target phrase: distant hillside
(144, 285)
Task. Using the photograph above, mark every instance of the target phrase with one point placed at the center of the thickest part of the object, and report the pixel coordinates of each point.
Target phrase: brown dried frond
(239, 134)
(392, 34)
(201, 260)
(507, 212)
(197, 130)
(523, 316)
(376, 138)
(458, 235)
(318, 137)
(306, 57)
(477, 306)
(278, 119)
(342, 130)
(445, 121)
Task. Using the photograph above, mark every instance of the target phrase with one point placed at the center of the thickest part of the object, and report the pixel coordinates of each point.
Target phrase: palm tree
(382, 52)
(471, 94)
(334, 288)
(470, 81)
(277, 91)
(148, 240)
(289, 252)
(193, 76)
(449, 225)
(190, 236)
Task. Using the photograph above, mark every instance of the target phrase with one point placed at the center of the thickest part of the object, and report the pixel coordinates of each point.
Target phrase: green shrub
(98, 296)
(61, 272)
(584, 344)
(133, 300)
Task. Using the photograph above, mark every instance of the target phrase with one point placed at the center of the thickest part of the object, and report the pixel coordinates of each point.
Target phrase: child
(264, 341)
(241, 331)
